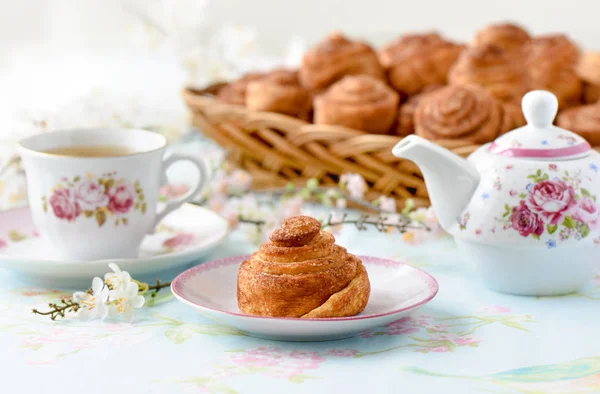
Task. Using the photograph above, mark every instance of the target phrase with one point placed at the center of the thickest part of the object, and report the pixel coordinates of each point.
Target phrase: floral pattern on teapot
(552, 206)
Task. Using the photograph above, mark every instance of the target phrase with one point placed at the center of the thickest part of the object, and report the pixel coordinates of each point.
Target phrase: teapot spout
(450, 179)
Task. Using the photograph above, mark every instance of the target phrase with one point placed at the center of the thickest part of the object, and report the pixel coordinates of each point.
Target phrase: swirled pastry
(490, 67)
(459, 111)
(550, 62)
(588, 69)
(512, 117)
(360, 102)
(334, 58)
(417, 60)
(405, 124)
(551, 50)
(279, 91)
(301, 272)
(507, 36)
(235, 92)
(583, 120)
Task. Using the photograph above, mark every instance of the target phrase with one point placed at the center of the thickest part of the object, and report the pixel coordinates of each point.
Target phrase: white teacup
(100, 202)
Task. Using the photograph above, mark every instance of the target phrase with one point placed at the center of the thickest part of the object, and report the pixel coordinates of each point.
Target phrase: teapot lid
(539, 139)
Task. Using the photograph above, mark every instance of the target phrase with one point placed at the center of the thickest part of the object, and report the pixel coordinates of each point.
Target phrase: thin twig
(279, 192)
(158, 286)
(59, 310)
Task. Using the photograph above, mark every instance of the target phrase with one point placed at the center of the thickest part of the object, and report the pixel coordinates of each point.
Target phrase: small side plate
(397, 289)
(183, 237)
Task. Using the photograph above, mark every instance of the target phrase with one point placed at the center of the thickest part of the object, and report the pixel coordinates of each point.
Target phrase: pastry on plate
(405, 124)
(551, 62)
(279, 91)
(583, 120)
(334, 58)
(588, 69)
(417, 60)
(235, 92)
(465, 112)
(360, 102)
(508, 36)
(301, 272)
(490, 67)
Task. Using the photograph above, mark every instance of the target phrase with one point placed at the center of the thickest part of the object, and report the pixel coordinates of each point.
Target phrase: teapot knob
(539, 108)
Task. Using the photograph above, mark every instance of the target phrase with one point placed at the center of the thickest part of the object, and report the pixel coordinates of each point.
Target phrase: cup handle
(171, 206)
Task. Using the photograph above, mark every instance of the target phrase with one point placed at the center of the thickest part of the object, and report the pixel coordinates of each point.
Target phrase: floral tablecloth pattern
(468, 339)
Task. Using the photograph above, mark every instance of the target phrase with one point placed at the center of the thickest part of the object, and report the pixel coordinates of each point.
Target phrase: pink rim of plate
(543, 153)
(180, 280)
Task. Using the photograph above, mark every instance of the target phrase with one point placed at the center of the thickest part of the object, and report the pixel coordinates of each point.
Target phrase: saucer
(397, 289)
(183, 237)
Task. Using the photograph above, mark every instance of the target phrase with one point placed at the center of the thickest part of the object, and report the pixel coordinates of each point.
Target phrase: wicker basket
(278, 149)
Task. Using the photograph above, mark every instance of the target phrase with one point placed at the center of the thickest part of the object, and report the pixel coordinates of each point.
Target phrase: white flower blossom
(124, 300)
(238, 182)
(92, 305)
(341, 203)
(117, 279)
(387, 204)
(354, 184)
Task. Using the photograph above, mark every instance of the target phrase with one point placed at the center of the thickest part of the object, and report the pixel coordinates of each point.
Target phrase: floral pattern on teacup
(100, 198)
(558, 206)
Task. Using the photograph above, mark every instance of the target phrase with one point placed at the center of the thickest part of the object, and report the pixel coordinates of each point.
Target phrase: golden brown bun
(405, 124)
(591, 93)
(550, 62)
(512, 117)
(508, 36)
(360, 102)
(490, 67)
(235, 92)
(588, 69)
(334, 58)
(279, 91)
(583, 120)
(417, 60)
(301, 272)
(459, 111)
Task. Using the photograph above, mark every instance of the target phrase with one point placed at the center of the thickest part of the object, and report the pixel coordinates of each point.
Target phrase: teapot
(522, 208)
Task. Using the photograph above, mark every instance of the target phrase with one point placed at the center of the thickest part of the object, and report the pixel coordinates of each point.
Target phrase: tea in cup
(93, 193)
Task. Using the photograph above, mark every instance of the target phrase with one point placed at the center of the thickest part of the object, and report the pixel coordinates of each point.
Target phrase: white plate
(183, 237)
(396, 290)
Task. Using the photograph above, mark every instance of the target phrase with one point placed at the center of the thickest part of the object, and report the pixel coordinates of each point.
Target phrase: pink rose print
(171, 191)
(525, 221)
(586, 211)
(3, 243)
(550, 199)
(276, 363)
(180, 240)
(465, 341)
(440, 349)
(95, 198)
(122, 198)
(90, 195)
(493, 309)
(64, 204)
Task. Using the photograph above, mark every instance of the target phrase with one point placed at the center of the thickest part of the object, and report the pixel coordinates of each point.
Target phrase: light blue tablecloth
(468, 339)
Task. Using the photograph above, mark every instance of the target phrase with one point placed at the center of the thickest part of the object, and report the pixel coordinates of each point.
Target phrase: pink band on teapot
(541, 153)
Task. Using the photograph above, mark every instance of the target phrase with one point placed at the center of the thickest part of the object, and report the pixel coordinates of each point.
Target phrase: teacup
(93, 193)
